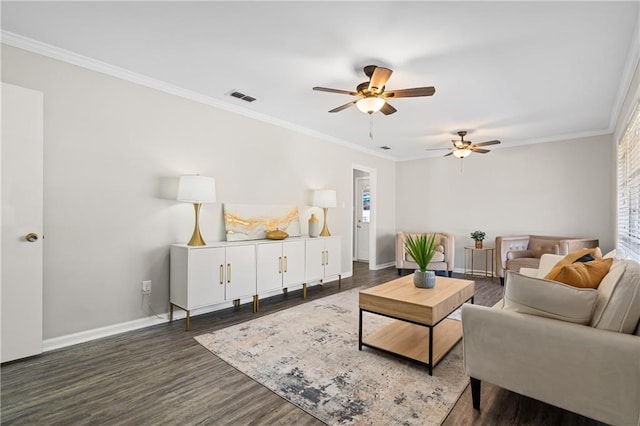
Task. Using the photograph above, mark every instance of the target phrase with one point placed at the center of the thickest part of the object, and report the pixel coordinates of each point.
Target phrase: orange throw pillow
(572, 257)
(581, 274)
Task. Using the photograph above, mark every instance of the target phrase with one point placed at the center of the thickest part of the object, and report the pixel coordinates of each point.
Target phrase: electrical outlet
(146, 287)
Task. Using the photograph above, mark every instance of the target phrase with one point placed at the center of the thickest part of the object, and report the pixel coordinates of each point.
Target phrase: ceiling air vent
(386, 148)
(240, 95)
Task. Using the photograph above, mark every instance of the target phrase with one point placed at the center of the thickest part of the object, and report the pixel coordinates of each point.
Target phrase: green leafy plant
(478, 235)
(421, 248)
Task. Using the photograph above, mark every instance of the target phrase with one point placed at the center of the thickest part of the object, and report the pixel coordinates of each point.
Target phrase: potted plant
(478, 236)
(422, 248)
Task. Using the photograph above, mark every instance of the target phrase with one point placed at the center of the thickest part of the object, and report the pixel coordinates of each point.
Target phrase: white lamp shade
(462, 153)
(370, 104)
(197, 189)
(325, 198)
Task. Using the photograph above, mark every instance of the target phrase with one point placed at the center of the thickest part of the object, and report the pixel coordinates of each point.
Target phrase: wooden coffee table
(421, 331)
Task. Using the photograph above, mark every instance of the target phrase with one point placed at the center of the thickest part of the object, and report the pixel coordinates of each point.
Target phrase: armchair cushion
(549, 299)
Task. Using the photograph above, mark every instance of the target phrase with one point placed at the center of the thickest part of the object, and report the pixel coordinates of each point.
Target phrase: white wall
(112, 153)
(558, 188)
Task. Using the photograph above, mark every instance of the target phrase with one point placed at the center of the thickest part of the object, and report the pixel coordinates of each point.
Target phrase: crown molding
(34, 46)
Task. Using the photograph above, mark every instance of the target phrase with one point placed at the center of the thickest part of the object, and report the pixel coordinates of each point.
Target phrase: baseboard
(99, 333)
(383, 266)
(178, 314)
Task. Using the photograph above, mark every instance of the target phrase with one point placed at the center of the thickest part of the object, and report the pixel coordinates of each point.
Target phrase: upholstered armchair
(442, 260)
(575, 348)
(524, 251)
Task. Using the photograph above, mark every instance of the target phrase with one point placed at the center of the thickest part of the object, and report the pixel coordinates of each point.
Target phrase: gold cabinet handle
(32, 237)
(280, 265)
(228, 272)
(285, 264)
(327, 257)
(221, 274)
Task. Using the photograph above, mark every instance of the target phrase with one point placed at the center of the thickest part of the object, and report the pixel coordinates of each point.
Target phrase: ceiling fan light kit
(370, 104)
(462, 153)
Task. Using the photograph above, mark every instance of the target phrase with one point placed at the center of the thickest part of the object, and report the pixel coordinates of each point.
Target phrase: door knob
(32, 237)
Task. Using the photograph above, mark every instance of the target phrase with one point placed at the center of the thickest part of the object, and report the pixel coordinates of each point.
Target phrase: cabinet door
(270, 267)
(314, 259)
(206, 277)
(241, 272)
(293, 254)
(333, 256)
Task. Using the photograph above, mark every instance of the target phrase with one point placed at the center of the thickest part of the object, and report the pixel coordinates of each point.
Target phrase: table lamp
(325, 198)
(197, 190)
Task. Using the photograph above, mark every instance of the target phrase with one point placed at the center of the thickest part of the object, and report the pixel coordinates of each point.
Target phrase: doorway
(364, 217)
(362, 209)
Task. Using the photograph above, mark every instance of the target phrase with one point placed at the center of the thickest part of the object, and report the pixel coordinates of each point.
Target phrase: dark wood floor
(160, 375)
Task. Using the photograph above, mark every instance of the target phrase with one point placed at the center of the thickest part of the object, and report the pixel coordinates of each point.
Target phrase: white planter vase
(424, 279)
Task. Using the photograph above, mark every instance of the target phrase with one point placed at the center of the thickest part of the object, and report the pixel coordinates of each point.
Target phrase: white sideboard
(220, 272)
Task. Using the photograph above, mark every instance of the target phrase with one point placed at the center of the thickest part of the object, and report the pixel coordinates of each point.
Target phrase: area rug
(309, 355)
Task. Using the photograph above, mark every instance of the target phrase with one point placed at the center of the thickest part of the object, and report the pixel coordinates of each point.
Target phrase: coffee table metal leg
(431, 351)
(360, 332)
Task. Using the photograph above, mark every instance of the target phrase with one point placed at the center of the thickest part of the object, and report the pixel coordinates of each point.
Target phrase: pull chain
(371, 126)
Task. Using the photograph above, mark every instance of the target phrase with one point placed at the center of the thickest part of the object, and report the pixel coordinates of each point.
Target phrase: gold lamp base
(325, 229)
(196, 238)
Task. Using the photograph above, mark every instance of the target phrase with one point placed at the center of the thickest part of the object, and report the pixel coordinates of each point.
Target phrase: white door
(314, 259)
(270, 267)
(206, 276)
(333, 256)
(293, 257)
(363, 218)
(22, 201)
(241, 272)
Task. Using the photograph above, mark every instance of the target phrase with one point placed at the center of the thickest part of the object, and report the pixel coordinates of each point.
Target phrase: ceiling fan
(373, 97)
(462, 148)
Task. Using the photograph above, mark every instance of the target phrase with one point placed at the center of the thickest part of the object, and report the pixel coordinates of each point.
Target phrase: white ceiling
(521, 72)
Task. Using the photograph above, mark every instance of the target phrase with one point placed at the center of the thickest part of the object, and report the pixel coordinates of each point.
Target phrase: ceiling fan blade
(494, 142)
(410, 93)
(387, 109)
(326, 89)
(480, 150)
(436, 149)
(345, 106)
(451, 153)
(379, 78)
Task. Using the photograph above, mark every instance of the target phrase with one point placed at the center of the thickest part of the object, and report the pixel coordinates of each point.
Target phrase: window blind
(628, 244)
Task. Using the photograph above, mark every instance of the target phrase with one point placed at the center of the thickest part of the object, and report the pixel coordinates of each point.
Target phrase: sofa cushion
(517, 254)
(618, 306)
(524, 262)
(548, 299)
(540, 246)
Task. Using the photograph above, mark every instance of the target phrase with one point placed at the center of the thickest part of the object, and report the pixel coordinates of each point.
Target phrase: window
(366, 205)
(629, 190)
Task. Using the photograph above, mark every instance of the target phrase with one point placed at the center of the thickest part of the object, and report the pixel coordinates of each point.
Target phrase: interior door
(21, 231)
(363, 218)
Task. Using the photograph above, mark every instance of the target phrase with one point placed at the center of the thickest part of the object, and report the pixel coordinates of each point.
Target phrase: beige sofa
(442, 260)
(524, 251)
(578, 349)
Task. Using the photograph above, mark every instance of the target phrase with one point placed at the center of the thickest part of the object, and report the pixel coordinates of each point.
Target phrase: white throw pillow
(549, 299)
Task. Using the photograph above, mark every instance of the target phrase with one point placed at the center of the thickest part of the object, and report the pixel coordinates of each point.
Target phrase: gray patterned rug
(309, 355)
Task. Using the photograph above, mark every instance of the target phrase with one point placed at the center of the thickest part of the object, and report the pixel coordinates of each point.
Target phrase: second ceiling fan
(373, 97)
(462, 148)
